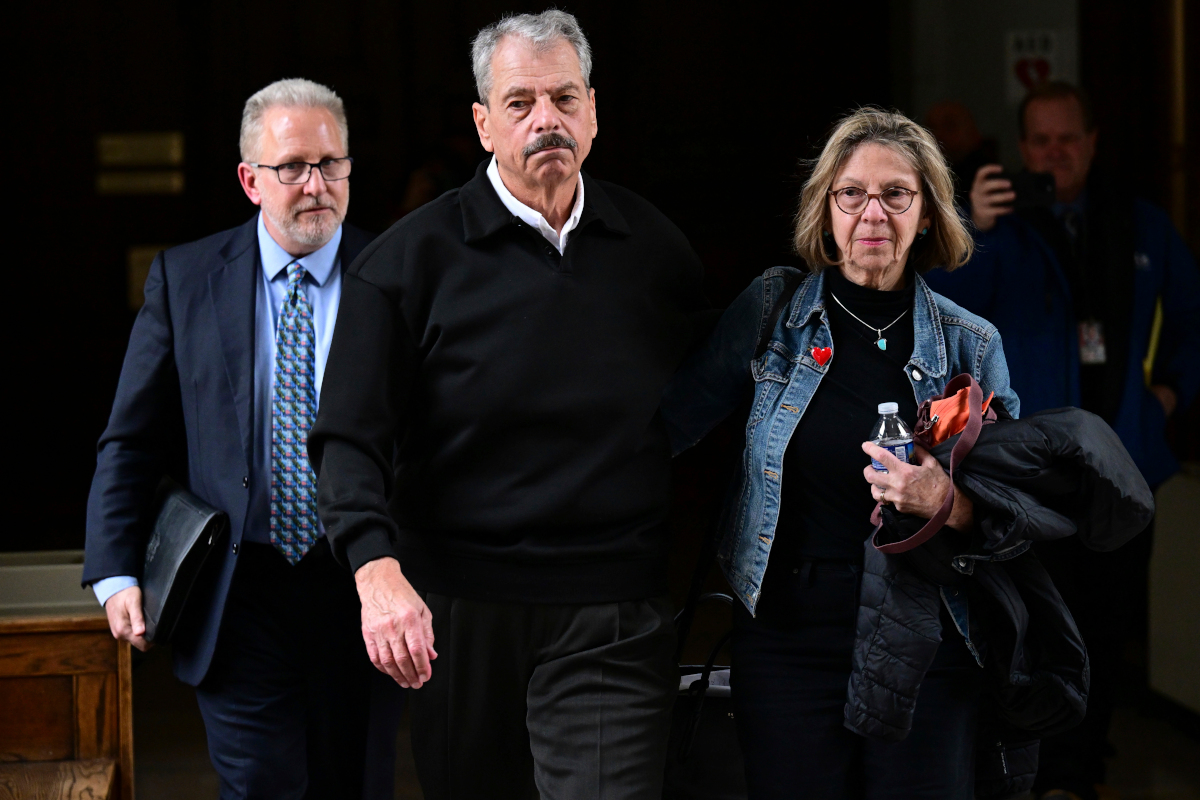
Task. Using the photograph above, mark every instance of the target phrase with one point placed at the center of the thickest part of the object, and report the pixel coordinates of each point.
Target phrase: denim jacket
(714, 381)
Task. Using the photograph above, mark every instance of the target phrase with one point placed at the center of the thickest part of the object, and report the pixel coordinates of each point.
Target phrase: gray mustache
(310, 204)
(548, 140)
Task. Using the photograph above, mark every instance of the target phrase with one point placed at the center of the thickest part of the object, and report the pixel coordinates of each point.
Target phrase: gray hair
(543, 31)
(293, 93)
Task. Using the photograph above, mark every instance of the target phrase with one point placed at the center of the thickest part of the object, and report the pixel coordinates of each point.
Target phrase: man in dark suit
(226, 358)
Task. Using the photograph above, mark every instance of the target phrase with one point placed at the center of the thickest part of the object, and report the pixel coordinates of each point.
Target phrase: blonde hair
(948, 244)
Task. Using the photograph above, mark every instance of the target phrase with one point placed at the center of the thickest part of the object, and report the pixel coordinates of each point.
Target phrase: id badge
(1091, 343)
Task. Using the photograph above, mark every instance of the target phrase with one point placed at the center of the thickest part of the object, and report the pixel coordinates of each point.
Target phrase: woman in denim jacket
(862, 329)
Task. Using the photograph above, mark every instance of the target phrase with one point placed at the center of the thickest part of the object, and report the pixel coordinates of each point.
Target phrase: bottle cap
(889, 408)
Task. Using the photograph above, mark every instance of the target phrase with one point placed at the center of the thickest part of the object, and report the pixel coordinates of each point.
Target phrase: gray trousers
(562, 702)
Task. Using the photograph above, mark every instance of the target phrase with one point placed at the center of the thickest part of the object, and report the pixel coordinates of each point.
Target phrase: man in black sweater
(509, 342)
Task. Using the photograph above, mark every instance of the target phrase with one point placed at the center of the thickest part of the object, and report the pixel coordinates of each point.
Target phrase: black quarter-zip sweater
(489, 408)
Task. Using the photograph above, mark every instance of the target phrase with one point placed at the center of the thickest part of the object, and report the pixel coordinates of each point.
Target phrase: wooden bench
(66, 708)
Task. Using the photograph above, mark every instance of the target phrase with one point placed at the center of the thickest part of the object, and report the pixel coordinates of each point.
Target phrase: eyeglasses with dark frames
(297, 172)
(893, 200)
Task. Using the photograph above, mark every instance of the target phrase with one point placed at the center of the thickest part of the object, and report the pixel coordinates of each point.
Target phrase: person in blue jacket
(1098, 301)
(809, 360)
(1091, 269)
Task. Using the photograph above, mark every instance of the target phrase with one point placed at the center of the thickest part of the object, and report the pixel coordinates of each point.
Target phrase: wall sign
(123, 159)
(1031, 57)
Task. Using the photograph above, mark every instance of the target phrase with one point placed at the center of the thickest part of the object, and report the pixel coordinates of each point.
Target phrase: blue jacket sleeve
(714, 379)
(1178, 361)
(993, 376)
(131, 455)
(972, 285)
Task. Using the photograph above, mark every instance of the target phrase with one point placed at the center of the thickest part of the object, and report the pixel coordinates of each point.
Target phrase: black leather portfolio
(187, 531)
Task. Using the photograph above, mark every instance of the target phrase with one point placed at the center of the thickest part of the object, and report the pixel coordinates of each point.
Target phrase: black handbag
(704, 760)
(187, 531)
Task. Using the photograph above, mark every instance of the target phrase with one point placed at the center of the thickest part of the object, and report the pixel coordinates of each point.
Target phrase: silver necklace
(880, 342)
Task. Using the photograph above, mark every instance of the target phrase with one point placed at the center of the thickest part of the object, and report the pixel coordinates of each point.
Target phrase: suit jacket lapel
(232, 287)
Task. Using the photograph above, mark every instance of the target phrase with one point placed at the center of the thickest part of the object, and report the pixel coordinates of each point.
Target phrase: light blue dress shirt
(323, 285)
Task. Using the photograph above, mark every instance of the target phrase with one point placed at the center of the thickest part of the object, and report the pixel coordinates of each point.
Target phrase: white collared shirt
(533, 218)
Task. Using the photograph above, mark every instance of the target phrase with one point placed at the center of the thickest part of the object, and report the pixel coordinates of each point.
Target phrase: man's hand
(1166, 396)
(125, 620)
(991, 197)
(918, 489)
(396, 624)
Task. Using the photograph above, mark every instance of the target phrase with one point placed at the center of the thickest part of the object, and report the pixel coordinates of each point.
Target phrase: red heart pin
(822, 354)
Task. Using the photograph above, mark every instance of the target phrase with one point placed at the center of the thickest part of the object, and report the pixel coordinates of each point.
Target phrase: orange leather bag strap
(962, 447)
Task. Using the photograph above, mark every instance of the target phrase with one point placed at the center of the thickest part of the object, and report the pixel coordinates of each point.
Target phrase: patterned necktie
(293, 409)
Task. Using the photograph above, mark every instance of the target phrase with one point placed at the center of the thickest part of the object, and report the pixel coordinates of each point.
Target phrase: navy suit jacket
(184, 403)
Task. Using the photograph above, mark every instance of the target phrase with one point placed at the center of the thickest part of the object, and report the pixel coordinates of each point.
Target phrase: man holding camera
(1098, 300)
(1073, 287)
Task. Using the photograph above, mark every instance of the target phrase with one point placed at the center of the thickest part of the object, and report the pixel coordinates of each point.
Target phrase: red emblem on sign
(1032, 71)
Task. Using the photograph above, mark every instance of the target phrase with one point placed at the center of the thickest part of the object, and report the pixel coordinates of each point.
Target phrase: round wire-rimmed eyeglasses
(893, 200)
(296, 172)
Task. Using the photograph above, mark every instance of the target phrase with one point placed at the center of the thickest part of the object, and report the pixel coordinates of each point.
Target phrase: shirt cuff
(107, 587)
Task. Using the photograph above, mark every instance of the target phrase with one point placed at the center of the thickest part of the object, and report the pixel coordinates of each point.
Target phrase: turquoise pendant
(881, 343)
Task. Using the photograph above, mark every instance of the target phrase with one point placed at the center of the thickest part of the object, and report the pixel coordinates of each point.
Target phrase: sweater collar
(485, 214)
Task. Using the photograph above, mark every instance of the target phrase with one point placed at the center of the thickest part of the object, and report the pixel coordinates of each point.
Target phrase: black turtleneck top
(826, 504)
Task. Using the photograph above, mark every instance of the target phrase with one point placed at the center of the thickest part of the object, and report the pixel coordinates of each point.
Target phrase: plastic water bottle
(892, 435)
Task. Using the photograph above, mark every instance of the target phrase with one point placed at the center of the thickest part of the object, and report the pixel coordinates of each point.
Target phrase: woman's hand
(916, 489)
